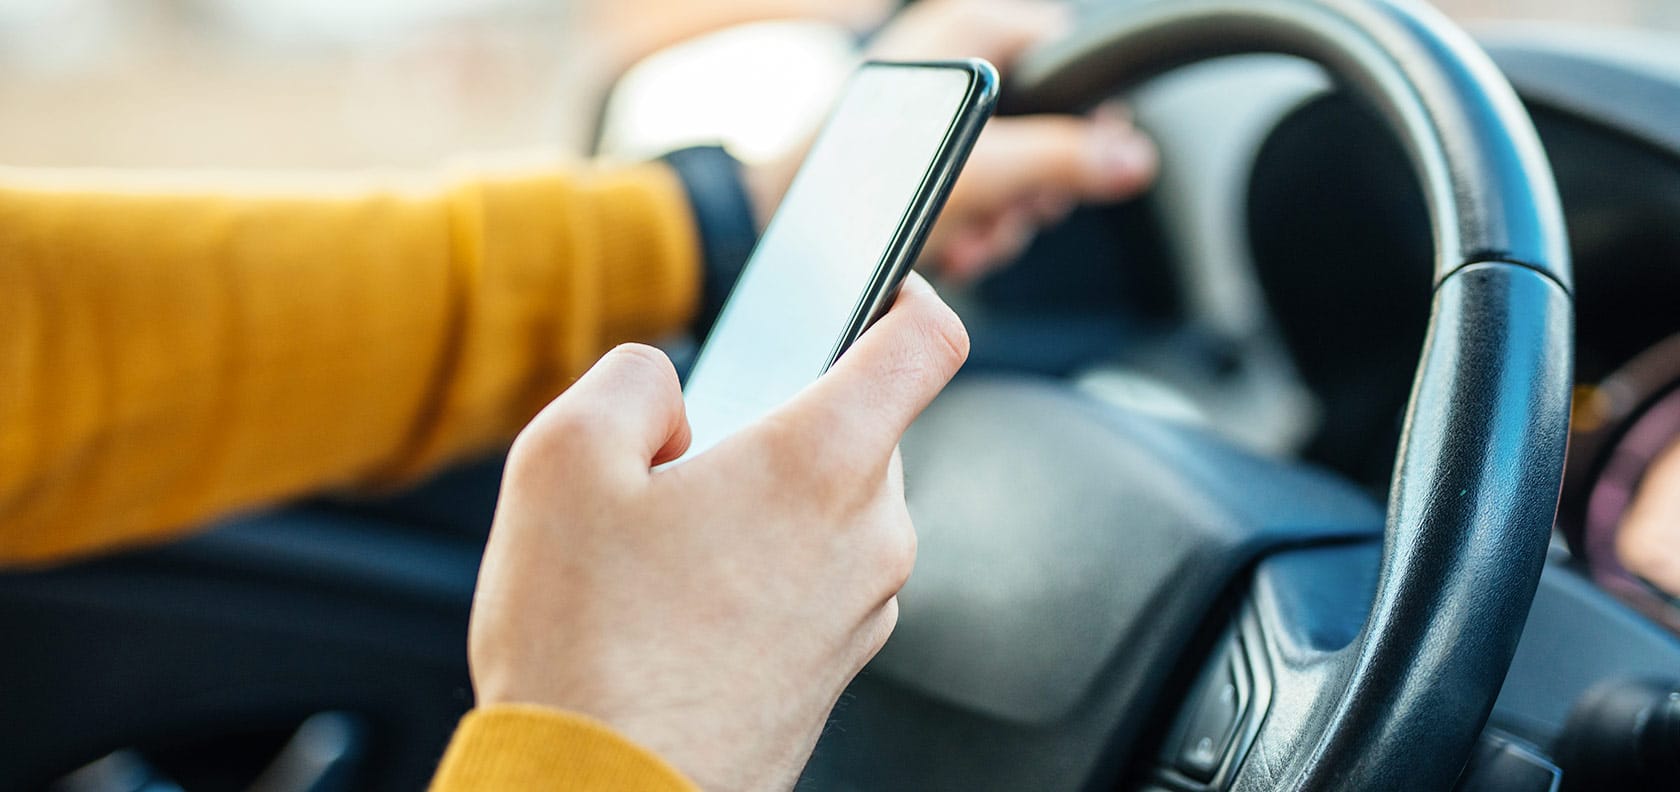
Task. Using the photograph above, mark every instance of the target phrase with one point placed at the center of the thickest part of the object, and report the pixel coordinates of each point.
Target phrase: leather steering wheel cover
(1480, 466)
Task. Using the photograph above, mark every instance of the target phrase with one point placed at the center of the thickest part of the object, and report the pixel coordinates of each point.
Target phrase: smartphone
(850, 226)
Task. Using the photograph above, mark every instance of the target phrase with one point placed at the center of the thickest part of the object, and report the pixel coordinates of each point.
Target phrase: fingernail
(1113, 112)
(1124, 151)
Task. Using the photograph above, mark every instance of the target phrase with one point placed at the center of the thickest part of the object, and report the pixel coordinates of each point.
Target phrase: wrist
(724, 199)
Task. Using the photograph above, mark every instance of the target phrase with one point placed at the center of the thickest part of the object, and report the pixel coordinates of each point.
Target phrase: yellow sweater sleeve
(509, 748)
(173, 351)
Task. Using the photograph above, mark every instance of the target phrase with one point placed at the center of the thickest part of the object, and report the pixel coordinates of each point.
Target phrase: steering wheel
(1077, 559)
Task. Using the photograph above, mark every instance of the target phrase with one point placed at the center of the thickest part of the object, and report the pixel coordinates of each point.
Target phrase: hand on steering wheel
(1026, 173)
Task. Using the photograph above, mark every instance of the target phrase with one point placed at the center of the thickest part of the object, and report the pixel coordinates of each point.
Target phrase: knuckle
(533, 443)
(531, 457)
(881, 626)
(886, 541)
(649, 371)
(583, 417)
(564, 431)
(645, 358)
(898, 550)
(909, 546)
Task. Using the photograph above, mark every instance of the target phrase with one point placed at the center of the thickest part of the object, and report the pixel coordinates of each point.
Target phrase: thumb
(627, 407)
(1098, 159)
(879, 386)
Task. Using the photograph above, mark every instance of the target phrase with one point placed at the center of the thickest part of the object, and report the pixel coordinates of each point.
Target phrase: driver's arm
(171, 350)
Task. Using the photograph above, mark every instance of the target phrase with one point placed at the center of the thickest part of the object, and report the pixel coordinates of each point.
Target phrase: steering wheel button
(1212, 727)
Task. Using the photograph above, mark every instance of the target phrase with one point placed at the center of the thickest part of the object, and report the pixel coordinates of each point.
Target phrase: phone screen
(800, 291)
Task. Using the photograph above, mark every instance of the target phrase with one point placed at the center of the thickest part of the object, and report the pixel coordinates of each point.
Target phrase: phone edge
(912, 233)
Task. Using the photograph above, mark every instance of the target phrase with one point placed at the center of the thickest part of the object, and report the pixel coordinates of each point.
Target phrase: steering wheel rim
(1479, 468)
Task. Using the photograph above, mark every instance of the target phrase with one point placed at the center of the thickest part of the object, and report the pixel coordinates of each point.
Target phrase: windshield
(394, 83)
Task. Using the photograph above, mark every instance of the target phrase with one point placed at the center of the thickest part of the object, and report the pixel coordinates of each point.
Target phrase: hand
(712, 611)
(1026, 172)
(1648, 541)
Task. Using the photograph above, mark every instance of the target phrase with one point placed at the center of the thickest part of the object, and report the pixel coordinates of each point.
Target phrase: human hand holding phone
(713, 611)
(852, 224)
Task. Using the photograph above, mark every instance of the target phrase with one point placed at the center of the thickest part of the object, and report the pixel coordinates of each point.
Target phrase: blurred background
(382, 83)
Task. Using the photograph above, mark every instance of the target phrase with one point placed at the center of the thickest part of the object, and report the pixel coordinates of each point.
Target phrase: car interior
(1253, 483)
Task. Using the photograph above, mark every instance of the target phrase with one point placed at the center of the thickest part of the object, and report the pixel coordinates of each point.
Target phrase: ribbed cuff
(515, 747)
(649, 278)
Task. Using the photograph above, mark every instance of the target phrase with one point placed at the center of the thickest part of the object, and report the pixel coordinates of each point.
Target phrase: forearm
(169, 352)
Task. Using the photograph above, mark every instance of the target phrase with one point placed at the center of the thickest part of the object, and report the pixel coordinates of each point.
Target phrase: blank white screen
(799, 290)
